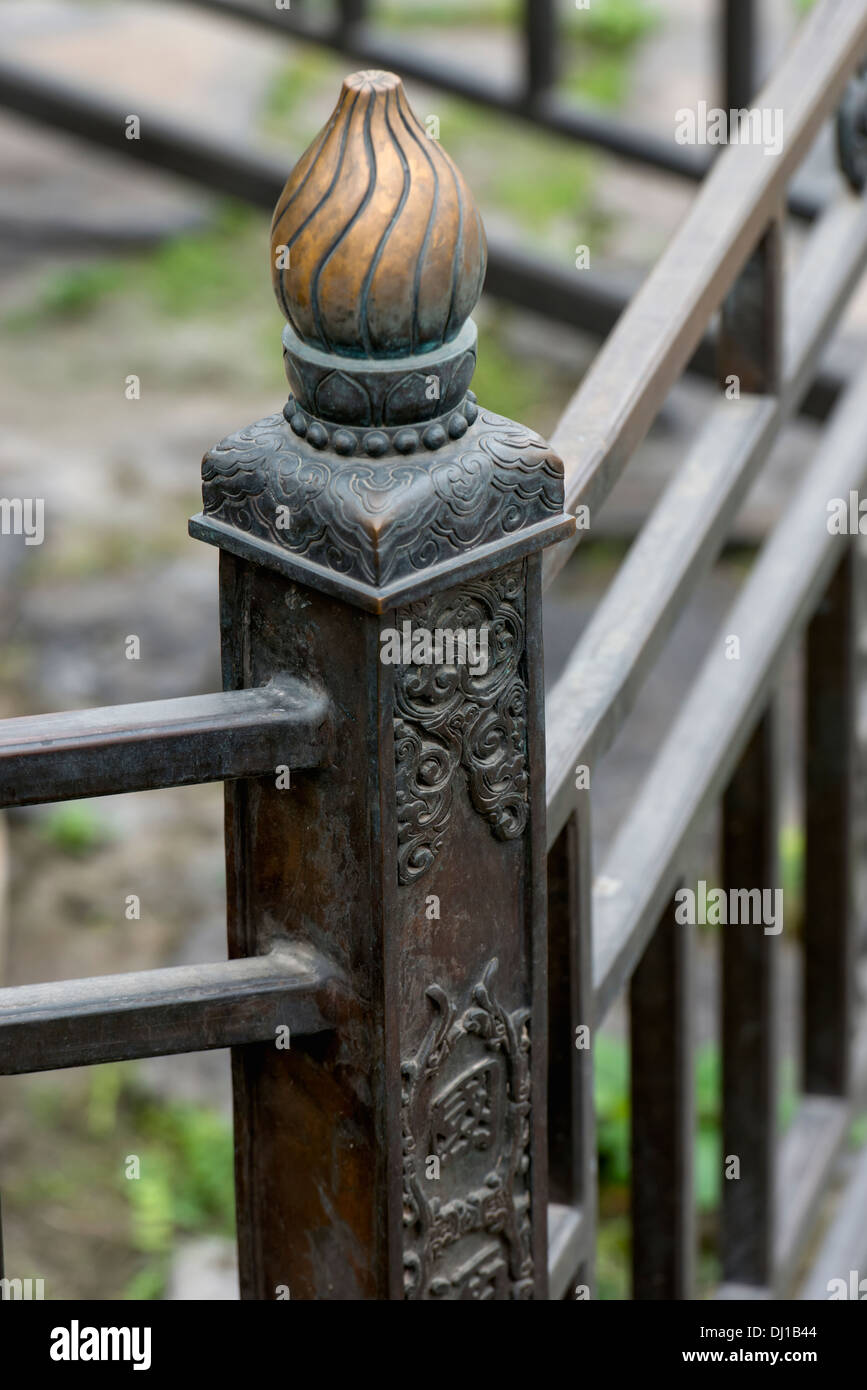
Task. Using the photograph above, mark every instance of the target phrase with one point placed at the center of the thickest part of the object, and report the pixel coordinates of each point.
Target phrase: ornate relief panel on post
(382, 534)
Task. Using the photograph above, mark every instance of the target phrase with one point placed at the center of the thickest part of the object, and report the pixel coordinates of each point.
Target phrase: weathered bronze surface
(383, 530)
(385, 243)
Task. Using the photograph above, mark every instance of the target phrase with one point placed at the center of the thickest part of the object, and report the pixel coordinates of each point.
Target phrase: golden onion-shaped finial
(386, 249)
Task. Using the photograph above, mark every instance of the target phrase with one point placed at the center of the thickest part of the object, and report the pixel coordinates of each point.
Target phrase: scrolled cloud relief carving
(449, 720)
(380, 520)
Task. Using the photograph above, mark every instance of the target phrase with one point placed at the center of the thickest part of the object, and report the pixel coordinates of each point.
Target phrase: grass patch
(600, 48)
(604, 24)
(113, 1179)
(792, 849)
(194, 275)
(613, 26)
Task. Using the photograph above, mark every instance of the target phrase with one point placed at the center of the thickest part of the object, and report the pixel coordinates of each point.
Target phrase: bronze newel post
(382, 536)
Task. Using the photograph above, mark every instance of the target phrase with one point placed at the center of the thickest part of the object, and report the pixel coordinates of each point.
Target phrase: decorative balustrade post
(382, 535)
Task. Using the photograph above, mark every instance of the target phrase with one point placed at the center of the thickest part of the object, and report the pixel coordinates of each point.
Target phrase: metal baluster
(572, 1161)
(749, 352)
(829, 919)
(750, 330)
(738, 22)
(540, 45)
(351, 12)
(663, 1113)
(749, 956)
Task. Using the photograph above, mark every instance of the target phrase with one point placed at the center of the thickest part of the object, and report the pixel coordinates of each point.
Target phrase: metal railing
(726, 255)
(325, 912)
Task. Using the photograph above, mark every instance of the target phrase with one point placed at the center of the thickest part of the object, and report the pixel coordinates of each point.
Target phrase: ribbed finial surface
(386, 249)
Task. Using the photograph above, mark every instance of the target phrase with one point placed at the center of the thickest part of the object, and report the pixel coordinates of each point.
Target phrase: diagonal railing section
(721, 747)
(618, 400)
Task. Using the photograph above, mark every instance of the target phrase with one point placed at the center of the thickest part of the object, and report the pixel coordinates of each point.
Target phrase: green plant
(75, 292)
(791, 850)
(194, 274)
(106, 1085)
(613, 24)
(613, 1117)
(600, 44)
(611, 1076)
(185, 1186)
(75, 828)
(290, 89)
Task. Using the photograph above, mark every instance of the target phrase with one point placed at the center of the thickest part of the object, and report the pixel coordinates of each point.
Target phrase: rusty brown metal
(404, 1155)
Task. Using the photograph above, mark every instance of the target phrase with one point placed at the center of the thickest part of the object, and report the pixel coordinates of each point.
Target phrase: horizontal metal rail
(232, 169)
(541, 106)
(218, 164)
(688, 527)
(844, 1246)
(808, 1157)
(805, 1164)
(534, 101)
(715, 721)
(239, 172)
(155, 1013)
(163, 743)
(614, 406)
(596, 303)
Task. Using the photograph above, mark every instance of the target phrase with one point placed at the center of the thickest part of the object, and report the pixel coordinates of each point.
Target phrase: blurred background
(110, 270)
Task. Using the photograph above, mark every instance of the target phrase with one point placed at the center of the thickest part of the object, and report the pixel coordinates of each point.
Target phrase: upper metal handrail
(613, 408)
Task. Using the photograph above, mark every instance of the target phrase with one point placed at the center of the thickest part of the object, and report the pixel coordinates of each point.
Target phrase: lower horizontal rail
(155, 1013)
(162, 743)
(566, 1248)
(844, 1247)
(809, 1153)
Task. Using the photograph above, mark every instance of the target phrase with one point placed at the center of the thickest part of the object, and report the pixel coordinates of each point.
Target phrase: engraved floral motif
(448, 717)
(465, 1101)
